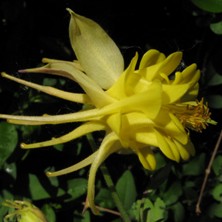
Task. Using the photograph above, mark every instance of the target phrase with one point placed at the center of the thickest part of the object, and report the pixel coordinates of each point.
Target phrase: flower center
(195, 117)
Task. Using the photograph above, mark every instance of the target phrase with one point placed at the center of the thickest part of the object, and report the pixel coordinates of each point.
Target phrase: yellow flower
(147, 106)
(24, 212)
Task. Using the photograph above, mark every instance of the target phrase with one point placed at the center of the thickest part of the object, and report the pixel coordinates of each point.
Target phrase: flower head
(24, 212)
(148, 106)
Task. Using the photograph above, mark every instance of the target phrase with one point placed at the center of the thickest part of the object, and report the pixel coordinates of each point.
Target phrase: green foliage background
(31, 30)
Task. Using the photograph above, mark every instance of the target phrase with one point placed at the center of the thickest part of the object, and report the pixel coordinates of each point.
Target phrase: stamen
(194, 117)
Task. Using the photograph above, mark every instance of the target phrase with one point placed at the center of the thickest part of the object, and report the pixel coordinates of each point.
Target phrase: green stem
(110, 184)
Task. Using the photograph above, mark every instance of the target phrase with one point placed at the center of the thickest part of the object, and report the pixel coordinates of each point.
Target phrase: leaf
(217, 165)
(49, 213)
(195, 167)
(37, 191)
(104, 198)
(214, 6)
(159, 176)
(157, 212)
(173, 193)
(77, 187)
(5, 195)
(178, 211)
(214, 101)
(8, 141)
(215, 210)
(216, 27)
(217, 192)
(126, 189)
(49, 81)
(145, 210)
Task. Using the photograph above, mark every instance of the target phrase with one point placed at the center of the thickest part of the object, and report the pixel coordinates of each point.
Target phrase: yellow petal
(114, 122)
(150, 58)
(169, 95)
(147, 158)
(184, 153)
(148, 102)
(165, 146)
(97, 53)
(78, 132)
(189, 74)
(120, 89)
(147, 137)
(171, 126)
(167, 66)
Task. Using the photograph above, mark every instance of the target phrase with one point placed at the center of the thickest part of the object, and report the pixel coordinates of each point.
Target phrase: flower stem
(109, 183)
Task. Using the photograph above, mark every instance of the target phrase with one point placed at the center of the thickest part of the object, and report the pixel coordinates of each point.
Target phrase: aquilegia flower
(147, 106)
(24, 211)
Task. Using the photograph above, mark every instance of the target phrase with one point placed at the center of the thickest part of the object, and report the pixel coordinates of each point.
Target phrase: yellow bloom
(141, 108)
(24, 212)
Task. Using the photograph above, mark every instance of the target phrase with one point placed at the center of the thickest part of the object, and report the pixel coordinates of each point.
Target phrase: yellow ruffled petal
(167, 66)
(120, 88)
(78, 132)
(189, 74)
(147, 158)
(184, 153)
(146, 136)
(97, 53)
(169, 95)
(150, 58)
(167, 147)
(142, 102)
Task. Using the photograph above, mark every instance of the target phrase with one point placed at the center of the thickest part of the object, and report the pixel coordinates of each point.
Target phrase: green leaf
(37, 191)
(159, 176)
(215, 80)
(104, 198)
(157, 212)
(214, 6)
(216, 27)
(49, 81)
(86, 217)
(217, 165)
(217, 192)
(178, 211)
(214, 101)
(8, 141)
(195, 167)
(5, 195)
(145, 211)
(49, 213)
(173, 193)
(211, 77)
(215, 210)
(77, 187)
(126, 189)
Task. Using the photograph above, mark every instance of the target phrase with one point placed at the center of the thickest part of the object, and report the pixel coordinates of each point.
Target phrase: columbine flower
(140, 109)
(24, 211)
